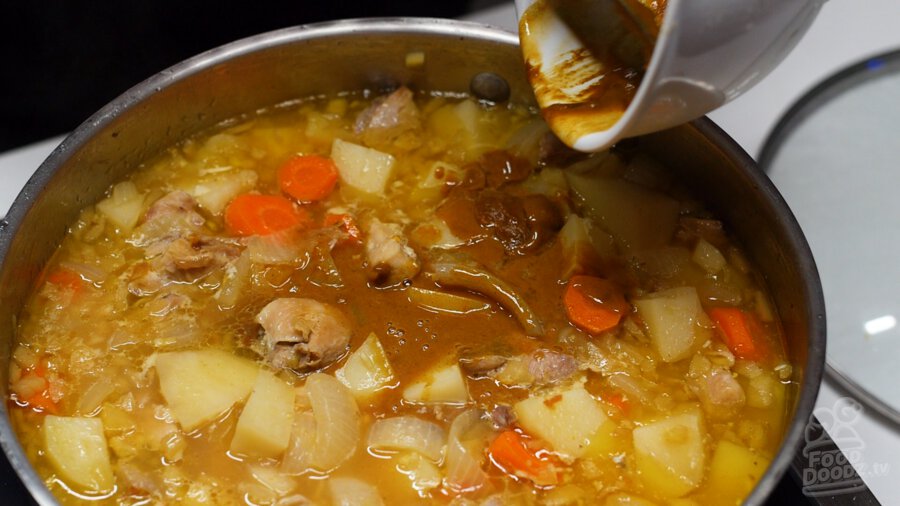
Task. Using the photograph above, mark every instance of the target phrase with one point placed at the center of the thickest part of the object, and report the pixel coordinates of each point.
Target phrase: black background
(62, 60)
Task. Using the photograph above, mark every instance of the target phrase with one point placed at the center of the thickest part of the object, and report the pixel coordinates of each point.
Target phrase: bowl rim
(9, 226)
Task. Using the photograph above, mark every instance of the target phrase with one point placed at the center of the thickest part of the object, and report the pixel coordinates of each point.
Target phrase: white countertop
(845, 32)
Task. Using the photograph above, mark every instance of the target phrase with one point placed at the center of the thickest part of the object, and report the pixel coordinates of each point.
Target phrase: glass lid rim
(810, 102)
(826, 90)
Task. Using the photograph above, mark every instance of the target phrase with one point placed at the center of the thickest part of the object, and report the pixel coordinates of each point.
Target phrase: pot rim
(815, 363)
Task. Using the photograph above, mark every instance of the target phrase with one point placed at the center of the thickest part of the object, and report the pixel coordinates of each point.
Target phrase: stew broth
(398, 299)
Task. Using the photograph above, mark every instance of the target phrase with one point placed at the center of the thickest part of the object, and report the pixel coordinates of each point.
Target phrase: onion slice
(297, 460)
(408, 433)
(353, 492)
(337, 421)
(466, 442)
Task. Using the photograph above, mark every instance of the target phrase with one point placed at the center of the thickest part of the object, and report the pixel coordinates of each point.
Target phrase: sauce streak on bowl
(584, 64)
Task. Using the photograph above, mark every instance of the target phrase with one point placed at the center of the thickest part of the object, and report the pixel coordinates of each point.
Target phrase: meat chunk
(519, 224)
(391, 121)
(498, 168)
(502, 416)
(176, 203)
(187, 253)
(303, 334)
(176, 248)
(719, 392)
(541, 367)
(175, 214)
(479, 367)
(391, 260)
(552, 151)
(550, 366)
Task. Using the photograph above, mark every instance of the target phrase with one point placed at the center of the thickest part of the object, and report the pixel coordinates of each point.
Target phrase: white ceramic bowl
(708, 52)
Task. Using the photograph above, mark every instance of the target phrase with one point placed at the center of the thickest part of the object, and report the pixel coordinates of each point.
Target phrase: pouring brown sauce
(588, 89)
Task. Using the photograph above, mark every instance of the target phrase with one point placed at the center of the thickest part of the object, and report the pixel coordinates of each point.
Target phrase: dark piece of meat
(544, 218)
(391, 121)
(479, 367)
(520, 224)
(502, 416)
(504, 216)
(501, 167)
(494, 169)
(549, 366)
(553, 152)
(391, 260)
(303, 334)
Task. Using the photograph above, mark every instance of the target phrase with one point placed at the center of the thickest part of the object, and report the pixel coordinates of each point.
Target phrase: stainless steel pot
(296, 62)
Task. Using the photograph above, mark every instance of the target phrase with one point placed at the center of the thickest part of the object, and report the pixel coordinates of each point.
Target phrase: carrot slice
(251, 214)
(593, 304)
(508, 451)
(346, 223)
(67, 279)
(308, 177)
(41, 401)
(737, 328)
(619, 401)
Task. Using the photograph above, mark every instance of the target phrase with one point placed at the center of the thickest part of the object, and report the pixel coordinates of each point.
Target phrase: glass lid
(835, 156)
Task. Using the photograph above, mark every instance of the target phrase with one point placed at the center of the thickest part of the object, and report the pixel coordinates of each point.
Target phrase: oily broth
(84, 336)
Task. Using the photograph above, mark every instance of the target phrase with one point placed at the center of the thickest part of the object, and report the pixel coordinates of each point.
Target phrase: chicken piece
(719, 392)
(541, 367)
(391, 122)
(502, 416)
(391, 260)
(303, 334)
(143, 281)
(175, 214)
(196, 253)
(175, 203)
(550, 366)
(173, 239)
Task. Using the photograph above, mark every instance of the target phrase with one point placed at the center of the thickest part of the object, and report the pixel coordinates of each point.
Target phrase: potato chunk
(439, 386)
(669, 454)
(675, 321)
(264, 427)
(733, 472)
(361, 168)
(639, 218)
(201, 385)
(367, 369)
(123, 207)
(567, 420)
(77, 449)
